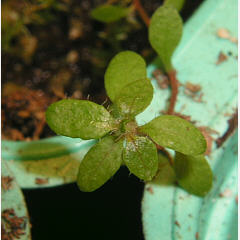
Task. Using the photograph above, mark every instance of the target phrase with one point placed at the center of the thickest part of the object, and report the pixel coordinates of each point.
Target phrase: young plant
(165, 31)
(107, 13)
(178, 4)
(121, 140)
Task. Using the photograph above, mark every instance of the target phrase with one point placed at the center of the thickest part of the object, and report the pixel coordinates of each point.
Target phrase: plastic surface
(45, 163)
(168, 211)
(13, 202)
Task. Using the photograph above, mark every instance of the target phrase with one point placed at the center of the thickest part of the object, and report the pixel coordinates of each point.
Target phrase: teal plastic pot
(45, 163)
(168, 212)
(13, 206)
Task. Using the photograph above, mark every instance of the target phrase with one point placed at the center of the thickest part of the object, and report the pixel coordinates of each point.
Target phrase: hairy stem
(174, 86)
(172, 74)
(138, 6)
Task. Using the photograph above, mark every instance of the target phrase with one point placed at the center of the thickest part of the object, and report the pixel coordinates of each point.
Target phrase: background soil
(69, 63)
(65, 55)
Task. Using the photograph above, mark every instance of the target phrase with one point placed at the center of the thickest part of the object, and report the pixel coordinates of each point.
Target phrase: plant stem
(174, 86)
(172, 74)
(232, 125)
(138, 6)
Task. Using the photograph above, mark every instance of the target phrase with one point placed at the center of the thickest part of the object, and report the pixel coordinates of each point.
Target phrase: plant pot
(169, 212)
(14, 213)
(45, 163)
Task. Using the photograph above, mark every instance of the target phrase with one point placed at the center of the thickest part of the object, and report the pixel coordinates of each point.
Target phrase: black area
(112, 212)
(189, 8)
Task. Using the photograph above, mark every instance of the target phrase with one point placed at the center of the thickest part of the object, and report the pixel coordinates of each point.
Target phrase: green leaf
(178, 4)
(140, 156)
(109, 13)
(100, 164)
(165, 32)
(193, 173)
(126, 67)
(175, 133)
(79, 118)
(165, 174)
(135, 97)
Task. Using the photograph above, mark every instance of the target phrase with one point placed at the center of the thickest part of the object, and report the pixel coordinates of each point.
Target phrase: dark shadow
(165, 175)
(189, 8)
(51, 160)
(111, 212)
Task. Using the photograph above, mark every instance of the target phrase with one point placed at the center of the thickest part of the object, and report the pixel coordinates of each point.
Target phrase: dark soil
(69, 60)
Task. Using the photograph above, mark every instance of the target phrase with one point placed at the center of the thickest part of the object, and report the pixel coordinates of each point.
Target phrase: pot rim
(44, 148)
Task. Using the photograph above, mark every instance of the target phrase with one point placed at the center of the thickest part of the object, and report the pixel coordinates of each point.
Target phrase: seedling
(121, 141)
(107, 13)
(165, 31)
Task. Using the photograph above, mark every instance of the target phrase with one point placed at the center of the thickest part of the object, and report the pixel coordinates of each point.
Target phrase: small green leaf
(100, 164)
(135, 97)
(109, 13)
(126, 67)
(140, 156)
(193, 173)
(79, 118)
(175, 133)
(165, 32)
(178, 4)
(165, 174)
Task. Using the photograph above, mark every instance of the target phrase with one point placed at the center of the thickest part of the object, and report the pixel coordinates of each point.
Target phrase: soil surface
(64, 57)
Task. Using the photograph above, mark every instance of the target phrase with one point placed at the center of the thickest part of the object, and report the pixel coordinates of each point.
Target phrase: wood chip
(15, 134)
(193, 91)
(6, 182)
(72, 56)
(194, 88)
(26, 106)
(162, 80)
(150, 190)
(221, 58)
(12, 226)
(223, 33)
(227, 193)
(177, 223)
(233, 40)
(232, 125)
(41, 181)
